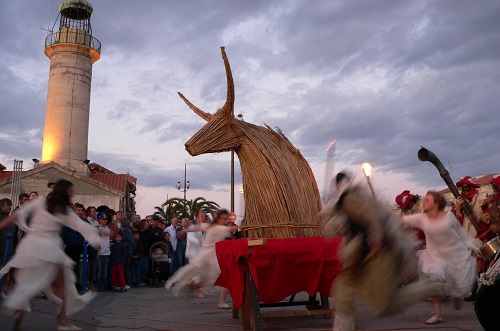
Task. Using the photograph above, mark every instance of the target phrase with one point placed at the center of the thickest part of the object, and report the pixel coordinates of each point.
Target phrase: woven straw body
(280, 192)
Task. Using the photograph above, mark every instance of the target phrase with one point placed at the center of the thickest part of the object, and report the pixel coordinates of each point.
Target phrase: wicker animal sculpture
(280, 192)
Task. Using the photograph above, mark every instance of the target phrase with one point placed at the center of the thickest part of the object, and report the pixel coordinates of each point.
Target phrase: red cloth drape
(232, 274)
(280, 268)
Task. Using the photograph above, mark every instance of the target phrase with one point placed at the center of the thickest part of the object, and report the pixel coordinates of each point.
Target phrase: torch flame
(367, 168)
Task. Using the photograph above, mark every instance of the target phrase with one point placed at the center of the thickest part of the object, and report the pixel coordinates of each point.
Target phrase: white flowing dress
(204, 269)
(40, 255)
(447, 256)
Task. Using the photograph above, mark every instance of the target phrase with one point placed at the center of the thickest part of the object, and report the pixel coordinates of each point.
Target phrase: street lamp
(186, 184)
(240, 117)
(367, 169)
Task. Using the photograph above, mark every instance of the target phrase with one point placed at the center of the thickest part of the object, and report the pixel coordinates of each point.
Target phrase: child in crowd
(104, 252)
(137, 256)
(166, 237)
(160, 256)
(118, 256)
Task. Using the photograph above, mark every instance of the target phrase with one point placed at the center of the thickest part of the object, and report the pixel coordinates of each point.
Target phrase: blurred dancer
(40, 262)
(204, 270)
(374, 251)
(447, 257)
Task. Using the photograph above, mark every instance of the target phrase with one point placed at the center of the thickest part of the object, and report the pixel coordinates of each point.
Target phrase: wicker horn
(206, 116)
(228, 108)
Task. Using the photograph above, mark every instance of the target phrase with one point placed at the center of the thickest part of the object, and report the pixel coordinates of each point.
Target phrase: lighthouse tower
(72, 50)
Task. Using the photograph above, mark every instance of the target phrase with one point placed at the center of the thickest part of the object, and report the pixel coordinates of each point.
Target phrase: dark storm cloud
(383, 77)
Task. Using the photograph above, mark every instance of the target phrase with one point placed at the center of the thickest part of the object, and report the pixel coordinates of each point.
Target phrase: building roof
(104, 177)
(117, 181)
(5, 174)
(479, 179)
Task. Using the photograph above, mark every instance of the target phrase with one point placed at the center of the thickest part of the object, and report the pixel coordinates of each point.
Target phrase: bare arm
(90, 233)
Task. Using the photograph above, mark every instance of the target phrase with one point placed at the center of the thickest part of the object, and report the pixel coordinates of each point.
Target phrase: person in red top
(409, 205)
(491, 208)
(468, 191)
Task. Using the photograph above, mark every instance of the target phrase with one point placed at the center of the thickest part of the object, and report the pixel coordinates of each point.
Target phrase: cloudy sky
(381, 77)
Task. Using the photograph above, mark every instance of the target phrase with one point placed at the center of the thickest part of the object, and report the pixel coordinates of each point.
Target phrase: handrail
(75, 37)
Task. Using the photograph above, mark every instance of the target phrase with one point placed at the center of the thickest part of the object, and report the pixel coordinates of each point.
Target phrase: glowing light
(49, 149)
(331, 145)
(240, 188)
(367, 168)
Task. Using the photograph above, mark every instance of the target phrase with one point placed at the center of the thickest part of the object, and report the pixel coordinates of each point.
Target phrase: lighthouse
(72, 51)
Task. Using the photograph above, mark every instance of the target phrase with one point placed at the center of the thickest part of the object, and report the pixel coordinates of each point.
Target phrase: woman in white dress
(447, 256)
(195, 242)
(204, 270)
(40, 262)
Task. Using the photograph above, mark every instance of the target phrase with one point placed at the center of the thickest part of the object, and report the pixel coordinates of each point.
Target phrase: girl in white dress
(204, 270)
(447, 256)
(195, 242)
(40, 262)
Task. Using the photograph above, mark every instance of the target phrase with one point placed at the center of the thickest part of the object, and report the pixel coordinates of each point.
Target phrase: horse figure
(280, 192)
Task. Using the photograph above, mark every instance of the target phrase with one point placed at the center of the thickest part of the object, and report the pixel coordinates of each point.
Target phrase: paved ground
(148, 308)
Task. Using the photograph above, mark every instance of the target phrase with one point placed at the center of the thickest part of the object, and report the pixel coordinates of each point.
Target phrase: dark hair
(439, 199)
(59, 199)
(89, 208)
(126, 223)
(5, 202)
(221, 212)
(24, 195)
(79, 205)
(136, 231)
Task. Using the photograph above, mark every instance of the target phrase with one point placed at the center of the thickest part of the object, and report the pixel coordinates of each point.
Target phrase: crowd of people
(121, 253)
(380, 258)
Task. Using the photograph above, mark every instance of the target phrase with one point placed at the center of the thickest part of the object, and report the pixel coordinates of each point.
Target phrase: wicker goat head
(280, 192)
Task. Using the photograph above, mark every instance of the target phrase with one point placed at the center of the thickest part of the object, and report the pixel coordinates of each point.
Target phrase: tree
(209, 207)
(171, 208)
(178, 207)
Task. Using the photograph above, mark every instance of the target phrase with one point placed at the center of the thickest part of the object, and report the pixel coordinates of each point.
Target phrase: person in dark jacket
(144, 236)
(73, 243)
(117, 260)
(137, 257)
(128, 241)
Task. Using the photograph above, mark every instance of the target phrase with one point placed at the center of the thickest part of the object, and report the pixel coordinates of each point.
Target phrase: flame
(367, 168)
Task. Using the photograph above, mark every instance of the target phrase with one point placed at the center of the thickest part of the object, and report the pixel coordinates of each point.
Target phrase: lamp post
(240, 117)
(186, 184)
(367, 169)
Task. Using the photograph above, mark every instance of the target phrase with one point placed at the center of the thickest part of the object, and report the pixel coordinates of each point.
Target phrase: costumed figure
(40, 262)
(203, 271)
(469, 191)
(447, 257)
(410, 204)
(486, 303)
(490, 209)
(374, 253)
